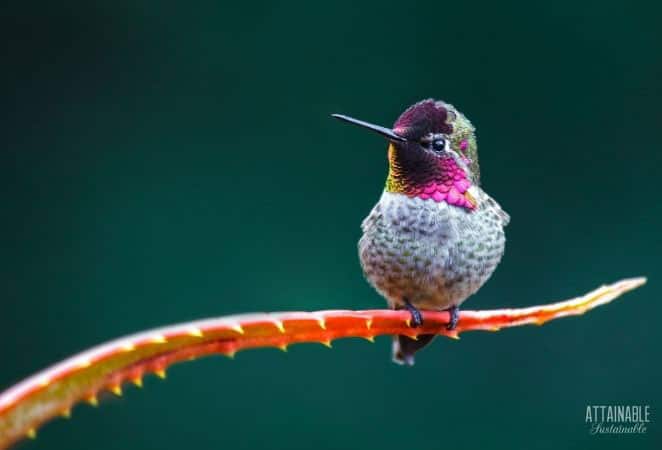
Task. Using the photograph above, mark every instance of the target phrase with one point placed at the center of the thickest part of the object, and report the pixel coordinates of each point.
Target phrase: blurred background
(165, 162)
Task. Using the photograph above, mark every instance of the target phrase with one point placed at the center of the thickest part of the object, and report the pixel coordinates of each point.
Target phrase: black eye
(439, 144)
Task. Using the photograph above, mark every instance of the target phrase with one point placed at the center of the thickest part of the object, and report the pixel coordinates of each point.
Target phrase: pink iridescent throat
(451, 187)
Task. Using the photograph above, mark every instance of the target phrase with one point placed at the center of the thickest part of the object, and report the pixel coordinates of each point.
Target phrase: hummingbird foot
(416, 317)
(454, 312)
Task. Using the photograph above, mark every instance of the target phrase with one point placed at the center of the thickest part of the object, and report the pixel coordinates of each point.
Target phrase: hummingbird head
(432, 153)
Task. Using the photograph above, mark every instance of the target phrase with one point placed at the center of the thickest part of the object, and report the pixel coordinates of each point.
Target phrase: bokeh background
(164, 161)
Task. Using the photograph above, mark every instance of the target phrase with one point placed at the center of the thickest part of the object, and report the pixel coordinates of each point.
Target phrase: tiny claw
(416, 317)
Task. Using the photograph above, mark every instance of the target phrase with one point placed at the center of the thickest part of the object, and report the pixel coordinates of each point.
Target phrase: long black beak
(387, 132)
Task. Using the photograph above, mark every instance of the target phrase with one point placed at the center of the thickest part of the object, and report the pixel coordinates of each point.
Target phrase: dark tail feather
(404, 347)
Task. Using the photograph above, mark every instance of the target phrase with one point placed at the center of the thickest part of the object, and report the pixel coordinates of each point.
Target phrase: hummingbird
(434, 237)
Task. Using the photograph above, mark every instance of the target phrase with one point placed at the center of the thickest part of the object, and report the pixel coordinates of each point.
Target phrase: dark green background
(164, 163)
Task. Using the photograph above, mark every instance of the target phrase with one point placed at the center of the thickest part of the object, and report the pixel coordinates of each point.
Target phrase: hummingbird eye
(439, 144)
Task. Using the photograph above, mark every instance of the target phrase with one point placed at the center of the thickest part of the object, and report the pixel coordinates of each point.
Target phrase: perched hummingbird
(434, 237)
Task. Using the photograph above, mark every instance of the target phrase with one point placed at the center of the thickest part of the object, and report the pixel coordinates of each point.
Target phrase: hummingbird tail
(404, 348)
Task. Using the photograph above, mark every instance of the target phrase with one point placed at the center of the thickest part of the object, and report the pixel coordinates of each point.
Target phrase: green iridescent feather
(464, 130)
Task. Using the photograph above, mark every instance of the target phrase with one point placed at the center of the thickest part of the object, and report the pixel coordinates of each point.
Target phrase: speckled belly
(433, 254)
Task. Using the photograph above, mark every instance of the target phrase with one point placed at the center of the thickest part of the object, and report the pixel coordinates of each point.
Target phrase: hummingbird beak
(387, 132)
